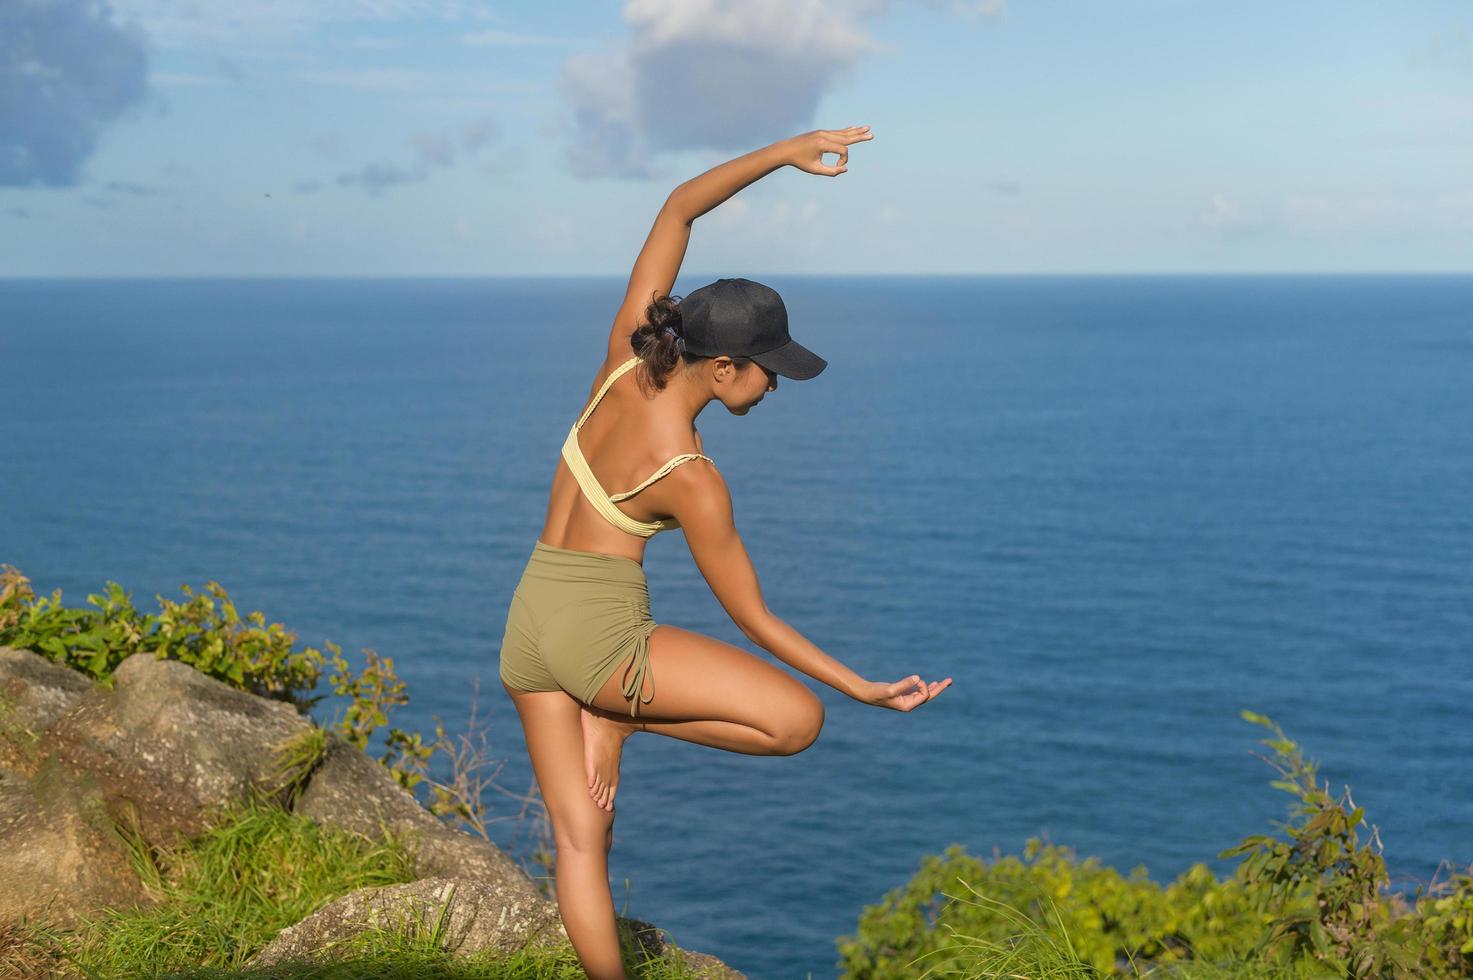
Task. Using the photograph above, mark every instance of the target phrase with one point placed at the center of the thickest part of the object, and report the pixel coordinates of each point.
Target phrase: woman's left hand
(806, 151)
(902, 695)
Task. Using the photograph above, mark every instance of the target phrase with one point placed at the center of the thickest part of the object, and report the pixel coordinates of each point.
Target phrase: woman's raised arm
(664, 248)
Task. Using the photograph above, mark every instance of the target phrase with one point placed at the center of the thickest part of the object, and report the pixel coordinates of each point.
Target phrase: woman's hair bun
(660, 340)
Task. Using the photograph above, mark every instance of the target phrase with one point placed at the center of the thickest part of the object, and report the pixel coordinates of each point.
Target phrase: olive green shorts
(574, 619)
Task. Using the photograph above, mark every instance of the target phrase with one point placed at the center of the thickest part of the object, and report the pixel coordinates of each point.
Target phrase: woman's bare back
(628, 436)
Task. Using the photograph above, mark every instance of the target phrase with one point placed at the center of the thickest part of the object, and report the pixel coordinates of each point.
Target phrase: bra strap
(614, 375)
(670, 464)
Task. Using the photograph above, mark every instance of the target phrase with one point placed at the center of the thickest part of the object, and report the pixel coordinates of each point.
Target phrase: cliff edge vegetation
(169, 807)
(1313, 901)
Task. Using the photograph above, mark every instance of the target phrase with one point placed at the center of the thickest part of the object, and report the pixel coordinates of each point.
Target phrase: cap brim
(791, 360)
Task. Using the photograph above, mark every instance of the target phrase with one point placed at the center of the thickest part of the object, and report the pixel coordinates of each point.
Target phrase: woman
(581, 656)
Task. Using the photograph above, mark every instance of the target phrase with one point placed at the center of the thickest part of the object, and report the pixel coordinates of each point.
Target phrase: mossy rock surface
(59, 855)
(34, 692)
(349, 791)
(174, 747)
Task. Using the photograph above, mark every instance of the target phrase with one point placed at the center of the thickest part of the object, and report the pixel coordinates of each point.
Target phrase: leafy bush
(206, 631)
(1329, 893)
(1314, 903)
(1445, 915)
(1109, 919)
(209, 633)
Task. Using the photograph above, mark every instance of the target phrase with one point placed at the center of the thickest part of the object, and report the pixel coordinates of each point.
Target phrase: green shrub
(1109, 919)
(1315, 902)
(1445, 917)
(208, 632)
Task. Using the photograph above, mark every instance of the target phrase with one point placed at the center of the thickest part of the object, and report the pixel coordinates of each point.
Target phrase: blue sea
(1116, 511)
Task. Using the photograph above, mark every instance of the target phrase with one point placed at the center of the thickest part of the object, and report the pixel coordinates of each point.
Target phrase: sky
(463, 138)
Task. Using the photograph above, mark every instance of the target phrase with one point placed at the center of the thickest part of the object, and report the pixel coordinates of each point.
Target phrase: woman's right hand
(806, 151)
(902, 695)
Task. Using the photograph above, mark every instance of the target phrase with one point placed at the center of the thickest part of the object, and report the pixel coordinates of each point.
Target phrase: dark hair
(657, 341)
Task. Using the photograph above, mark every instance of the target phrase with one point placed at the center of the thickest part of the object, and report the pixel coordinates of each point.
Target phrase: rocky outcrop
(352, 792)
(58, 852)
(652, 940)
(469, 915)
(174, 746)
(34, 692)
(165, 749)
(466, 916)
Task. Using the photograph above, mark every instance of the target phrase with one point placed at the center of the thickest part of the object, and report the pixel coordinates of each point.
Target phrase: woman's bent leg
(716, 694)
(582, 831)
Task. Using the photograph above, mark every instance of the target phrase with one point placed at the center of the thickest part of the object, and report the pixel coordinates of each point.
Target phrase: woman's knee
(591, 835)
(800, 724)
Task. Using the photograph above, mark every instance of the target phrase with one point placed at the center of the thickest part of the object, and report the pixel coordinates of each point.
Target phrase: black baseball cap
(742, 318)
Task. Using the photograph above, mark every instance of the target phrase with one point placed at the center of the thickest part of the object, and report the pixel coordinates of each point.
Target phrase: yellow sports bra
(603, 502)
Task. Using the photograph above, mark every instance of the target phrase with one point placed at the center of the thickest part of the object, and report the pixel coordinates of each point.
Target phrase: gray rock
(352, 792)
(170, 746)
(472, 915)
(33, 693)
(477, 915)
(58, 852)
(653, 941)
(173, 745)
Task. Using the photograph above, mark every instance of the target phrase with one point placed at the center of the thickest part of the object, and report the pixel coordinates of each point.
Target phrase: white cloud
(67, 73)
(711, 74)
(1234, 219)
(432, 150)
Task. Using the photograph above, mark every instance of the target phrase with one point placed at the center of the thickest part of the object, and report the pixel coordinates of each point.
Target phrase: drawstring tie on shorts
(632, 687)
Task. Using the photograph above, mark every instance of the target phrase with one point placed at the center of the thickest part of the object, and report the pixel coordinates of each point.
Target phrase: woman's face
(747, 387)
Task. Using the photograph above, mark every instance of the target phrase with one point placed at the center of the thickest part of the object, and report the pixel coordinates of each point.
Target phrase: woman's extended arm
(664, 248)
(702, 504)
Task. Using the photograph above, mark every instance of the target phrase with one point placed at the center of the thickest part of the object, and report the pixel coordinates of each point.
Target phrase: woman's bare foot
(603, 743)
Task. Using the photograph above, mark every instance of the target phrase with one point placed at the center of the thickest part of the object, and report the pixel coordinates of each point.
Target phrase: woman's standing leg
(582, 831)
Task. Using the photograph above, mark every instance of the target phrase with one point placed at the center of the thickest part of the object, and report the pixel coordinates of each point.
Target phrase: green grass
(221, 897)
(227, 893)
(1045, 951)
(1031, 950)
(295, 759)
(392, 956)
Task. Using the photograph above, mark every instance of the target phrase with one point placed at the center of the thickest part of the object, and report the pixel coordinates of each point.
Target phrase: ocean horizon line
(910, 276)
